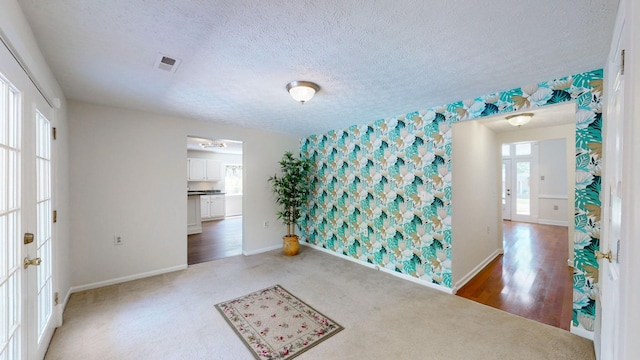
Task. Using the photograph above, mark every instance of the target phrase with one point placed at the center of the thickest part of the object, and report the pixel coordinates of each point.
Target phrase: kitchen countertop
(204, 192)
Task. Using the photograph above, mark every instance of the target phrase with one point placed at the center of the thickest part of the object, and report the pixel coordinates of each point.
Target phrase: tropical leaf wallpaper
(382, 191)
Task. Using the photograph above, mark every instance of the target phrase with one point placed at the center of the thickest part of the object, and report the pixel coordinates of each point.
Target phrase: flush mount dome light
(519, 119)
(302, 91)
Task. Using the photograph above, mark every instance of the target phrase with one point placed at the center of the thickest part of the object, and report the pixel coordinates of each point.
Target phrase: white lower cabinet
(194, 225)
(212, 207)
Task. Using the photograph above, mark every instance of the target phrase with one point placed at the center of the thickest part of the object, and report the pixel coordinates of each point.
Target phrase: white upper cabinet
(204, 170)
(197, 169)
(214, 170)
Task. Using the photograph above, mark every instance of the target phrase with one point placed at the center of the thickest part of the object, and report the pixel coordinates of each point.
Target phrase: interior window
(506, 150)
(233, 179)
(523, 149)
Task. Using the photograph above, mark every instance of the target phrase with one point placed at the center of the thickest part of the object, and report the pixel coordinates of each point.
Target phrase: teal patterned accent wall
(383, 190)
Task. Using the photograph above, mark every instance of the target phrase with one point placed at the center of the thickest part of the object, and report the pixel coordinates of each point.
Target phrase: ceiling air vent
(167, 63)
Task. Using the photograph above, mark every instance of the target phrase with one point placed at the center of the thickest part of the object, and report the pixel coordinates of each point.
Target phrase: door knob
(600, 255)
(35, 262)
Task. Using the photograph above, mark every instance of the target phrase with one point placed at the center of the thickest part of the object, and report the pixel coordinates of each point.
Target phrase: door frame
(506, 188)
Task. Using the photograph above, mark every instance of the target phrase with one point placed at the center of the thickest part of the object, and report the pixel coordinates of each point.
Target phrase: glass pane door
(506, 189)
(44, 221)
(10, 222)
(523, 189)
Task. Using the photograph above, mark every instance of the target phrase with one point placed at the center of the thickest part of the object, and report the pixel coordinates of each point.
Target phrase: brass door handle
(35, 262)
(600, 255)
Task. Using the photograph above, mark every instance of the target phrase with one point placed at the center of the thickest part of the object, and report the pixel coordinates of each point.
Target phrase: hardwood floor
(531, 279)
(219, 239)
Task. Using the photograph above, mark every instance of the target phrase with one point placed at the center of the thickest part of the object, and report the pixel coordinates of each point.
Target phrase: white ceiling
(372, 59)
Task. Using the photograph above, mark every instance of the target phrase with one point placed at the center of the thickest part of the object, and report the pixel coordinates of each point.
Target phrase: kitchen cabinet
(197, 169)
(204, 170)
(213, 170)
(194, 222)
(212, 207)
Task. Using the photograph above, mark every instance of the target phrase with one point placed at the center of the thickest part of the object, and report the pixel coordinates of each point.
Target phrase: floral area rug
(275, 324)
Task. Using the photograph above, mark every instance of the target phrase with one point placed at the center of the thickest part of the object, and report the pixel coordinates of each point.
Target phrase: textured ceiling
(373, 59)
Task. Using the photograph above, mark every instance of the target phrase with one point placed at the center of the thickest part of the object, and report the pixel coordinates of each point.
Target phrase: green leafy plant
(292, 188)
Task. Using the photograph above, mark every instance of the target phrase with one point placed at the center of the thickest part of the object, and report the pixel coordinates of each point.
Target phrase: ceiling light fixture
(302, 91)
(214, 144)
(519, 119)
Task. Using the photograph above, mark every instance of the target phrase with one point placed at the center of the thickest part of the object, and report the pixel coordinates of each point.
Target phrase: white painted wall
(233, 204)
(18, 33)
(552, 182)
(476, 229)
(128, 178)
(567, 132)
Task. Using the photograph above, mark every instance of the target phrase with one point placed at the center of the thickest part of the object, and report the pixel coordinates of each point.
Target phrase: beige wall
(476, 229)
(128, 178)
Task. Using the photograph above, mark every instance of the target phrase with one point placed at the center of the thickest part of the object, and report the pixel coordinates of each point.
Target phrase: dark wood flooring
(531, 279)
(219, 239)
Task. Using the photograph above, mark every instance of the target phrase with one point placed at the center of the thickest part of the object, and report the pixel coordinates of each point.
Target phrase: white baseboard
(553, 222)
(58, 309)
(194, 230)
(465, 279)
(582, 332)
(258, 251)
(119, 280)
(376, 267)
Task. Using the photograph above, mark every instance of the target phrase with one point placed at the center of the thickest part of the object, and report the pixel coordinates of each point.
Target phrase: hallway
(219, 239)
(531, 279)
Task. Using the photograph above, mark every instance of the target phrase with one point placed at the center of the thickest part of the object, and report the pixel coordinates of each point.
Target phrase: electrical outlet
(488, 229)
(365, 232)
(555, 207)
(265, 224)
(117, 240)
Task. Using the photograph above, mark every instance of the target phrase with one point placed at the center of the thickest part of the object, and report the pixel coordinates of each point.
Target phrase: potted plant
(291, 189)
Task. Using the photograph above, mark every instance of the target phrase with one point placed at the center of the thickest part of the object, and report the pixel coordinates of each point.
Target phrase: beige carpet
(172, 316)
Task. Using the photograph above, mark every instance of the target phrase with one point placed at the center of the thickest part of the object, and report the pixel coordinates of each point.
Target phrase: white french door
(26, 230)
(616, 196)
(11, 309)
(40, 277)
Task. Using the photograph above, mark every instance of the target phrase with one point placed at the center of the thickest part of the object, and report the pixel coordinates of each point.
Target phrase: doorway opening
(535, 166)
(214, 193)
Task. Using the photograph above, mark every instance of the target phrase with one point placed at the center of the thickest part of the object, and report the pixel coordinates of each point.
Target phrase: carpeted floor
(172, 316)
